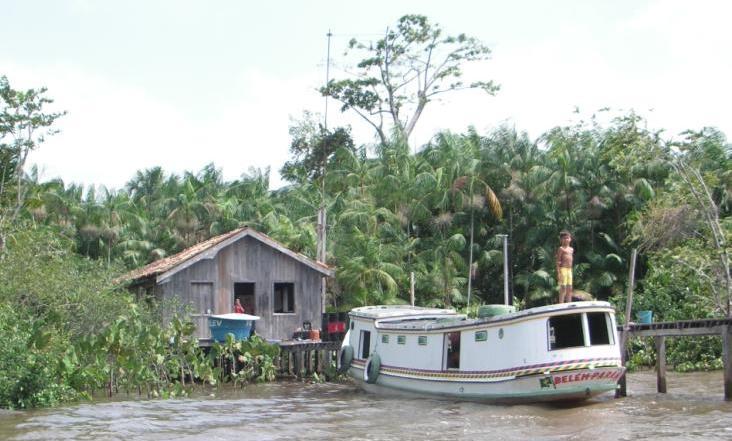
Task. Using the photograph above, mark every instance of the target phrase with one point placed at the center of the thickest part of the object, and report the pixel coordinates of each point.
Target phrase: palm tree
(370, 260)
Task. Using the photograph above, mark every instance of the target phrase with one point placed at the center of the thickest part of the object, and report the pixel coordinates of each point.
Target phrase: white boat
(567, 351)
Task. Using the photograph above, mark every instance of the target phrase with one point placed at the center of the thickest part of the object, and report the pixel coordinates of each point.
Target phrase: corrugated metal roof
(168, 265)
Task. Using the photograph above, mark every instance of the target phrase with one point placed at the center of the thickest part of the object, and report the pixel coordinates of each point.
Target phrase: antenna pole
(322, 223)
(327, 80)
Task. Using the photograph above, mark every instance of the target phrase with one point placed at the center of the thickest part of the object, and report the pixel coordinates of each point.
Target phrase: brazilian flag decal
(546, 382)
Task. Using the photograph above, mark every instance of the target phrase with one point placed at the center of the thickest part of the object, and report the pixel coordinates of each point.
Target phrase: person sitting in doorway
(238, 309)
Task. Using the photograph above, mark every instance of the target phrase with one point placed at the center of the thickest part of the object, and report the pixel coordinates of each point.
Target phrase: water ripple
(693, 410)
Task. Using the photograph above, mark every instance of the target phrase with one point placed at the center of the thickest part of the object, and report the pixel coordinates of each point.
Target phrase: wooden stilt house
(279, 285)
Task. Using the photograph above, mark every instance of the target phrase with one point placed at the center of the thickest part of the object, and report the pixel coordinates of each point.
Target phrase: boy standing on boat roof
(564, 257)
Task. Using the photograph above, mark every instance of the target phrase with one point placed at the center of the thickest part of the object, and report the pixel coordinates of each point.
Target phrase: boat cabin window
(284, 298)
(599, 326)
(365, 344)
(565, 331)
(481, 335)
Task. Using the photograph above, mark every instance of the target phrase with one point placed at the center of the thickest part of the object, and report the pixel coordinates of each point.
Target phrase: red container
(334, 327)
(315, 334)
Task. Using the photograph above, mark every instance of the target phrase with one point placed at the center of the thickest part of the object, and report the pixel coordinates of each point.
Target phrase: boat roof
(416, 318)
(394, 311)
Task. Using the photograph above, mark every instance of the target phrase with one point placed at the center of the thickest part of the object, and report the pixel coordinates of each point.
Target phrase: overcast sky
(184, 83)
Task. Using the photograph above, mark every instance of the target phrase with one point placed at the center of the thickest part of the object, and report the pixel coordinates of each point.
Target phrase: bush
(29, 357)
(42, 275)
(248, 360)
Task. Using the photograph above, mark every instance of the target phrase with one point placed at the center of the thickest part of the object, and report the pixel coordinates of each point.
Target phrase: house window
(565, 331)
(284, 298)
(385, 338)
(244, 291)
(401, 339)
(422, 340)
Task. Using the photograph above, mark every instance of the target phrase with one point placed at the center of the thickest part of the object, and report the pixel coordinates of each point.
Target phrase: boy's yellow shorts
(565, 276)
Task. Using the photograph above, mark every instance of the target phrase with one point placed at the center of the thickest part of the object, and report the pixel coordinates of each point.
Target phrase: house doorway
(245, 293)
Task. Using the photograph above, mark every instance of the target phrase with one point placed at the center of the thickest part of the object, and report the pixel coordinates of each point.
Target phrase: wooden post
(296, 363)
(299, 363)
(622, 390)
(727, 359)
(319, 356)
(661, 363)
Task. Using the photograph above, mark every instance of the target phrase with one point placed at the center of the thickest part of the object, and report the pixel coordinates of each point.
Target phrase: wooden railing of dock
(687, 328)
(301, 359)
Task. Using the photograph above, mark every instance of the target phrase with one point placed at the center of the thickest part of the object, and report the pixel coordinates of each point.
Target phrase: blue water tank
(240, 327)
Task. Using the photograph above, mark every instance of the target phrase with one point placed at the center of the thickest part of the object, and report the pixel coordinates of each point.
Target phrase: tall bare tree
(404, 71)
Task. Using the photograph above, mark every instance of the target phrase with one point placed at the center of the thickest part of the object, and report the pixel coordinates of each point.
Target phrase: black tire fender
(345, 357)
(372, 368)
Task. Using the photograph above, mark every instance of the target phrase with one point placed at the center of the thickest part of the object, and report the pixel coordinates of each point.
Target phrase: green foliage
(42, 275)
(247, 361)
(28, 357)
(24, 124)
(314, 149)
(682, 354)
(136, 353)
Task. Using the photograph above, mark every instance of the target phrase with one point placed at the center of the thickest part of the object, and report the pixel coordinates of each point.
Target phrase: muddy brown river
(694, 409)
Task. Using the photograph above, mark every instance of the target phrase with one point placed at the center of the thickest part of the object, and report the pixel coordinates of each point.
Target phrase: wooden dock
(304, 358)
(686, 328)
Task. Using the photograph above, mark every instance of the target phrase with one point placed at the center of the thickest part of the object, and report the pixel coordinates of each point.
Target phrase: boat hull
(565, 385)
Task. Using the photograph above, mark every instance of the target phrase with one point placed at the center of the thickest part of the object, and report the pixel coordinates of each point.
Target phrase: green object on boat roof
(486, 311)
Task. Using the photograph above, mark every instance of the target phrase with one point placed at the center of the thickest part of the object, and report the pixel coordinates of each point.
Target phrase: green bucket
(645, 317)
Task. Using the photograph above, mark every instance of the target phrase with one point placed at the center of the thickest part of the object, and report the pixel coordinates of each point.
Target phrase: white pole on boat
(411, 288)
(505, 267)
(631, 282)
